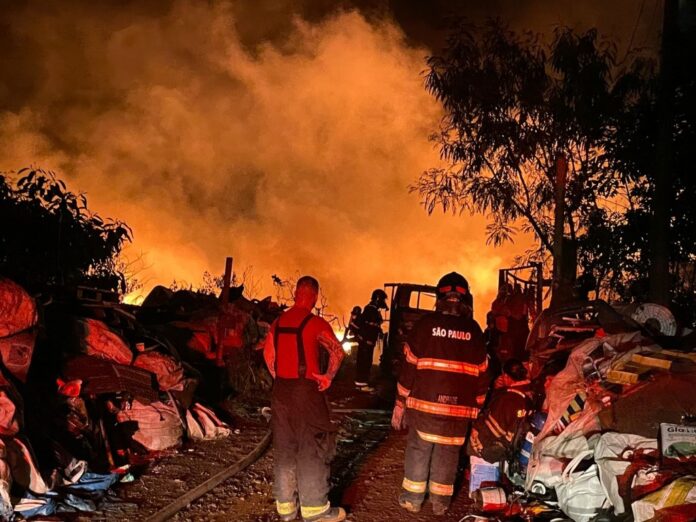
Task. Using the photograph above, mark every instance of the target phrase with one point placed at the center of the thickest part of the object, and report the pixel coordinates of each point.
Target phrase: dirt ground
(366, 472)
(173, 475)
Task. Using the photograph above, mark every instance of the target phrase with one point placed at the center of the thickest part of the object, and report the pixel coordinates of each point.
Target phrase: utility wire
(633, 33)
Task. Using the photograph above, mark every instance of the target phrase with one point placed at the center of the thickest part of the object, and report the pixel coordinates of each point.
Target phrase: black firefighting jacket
(369, 324)
(443, 381)
(498, 424)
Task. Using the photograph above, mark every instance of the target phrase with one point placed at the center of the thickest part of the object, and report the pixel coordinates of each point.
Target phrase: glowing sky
(293, 155)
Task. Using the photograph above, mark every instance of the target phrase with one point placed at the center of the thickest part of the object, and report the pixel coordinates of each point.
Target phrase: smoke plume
(292, 157)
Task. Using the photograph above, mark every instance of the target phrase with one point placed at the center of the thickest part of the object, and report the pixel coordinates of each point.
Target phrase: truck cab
(408, 303)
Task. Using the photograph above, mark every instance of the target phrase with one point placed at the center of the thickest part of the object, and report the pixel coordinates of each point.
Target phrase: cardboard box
(629, 373)
(653, 359)
(482, 471)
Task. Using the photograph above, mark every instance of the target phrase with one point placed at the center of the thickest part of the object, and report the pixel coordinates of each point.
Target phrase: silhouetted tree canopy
(512, 104)
(49, 236)
(634, 151)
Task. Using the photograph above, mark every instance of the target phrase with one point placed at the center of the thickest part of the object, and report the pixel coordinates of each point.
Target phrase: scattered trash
(614, 430)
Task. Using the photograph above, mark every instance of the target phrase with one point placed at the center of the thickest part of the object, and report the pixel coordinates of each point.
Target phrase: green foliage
(512, 105)
(48, 236)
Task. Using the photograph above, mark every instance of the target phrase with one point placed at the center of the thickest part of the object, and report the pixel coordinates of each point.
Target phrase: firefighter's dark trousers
(303, 446)
(363, 365)
(429, 467)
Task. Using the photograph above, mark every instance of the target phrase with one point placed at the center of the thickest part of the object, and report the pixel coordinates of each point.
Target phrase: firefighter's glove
(397, 420)
(323, 381)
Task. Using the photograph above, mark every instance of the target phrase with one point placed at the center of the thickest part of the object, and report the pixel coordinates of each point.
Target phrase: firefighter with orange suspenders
(303, 436)
(442, 385)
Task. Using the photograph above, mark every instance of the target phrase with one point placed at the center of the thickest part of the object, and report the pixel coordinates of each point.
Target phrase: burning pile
(97, 392)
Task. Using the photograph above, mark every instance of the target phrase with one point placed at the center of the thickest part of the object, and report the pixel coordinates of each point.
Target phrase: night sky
(285, 134)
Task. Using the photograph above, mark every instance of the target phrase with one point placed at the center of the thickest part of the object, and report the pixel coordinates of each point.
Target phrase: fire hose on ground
(184, 500)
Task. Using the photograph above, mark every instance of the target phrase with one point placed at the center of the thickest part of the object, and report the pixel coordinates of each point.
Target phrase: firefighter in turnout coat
(303, 436)
(441, 387)
(369, 330)
(493, 433)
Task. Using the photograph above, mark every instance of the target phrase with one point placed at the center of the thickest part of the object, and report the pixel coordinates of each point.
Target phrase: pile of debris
(205, 329)
(89, 393)
(613, 434)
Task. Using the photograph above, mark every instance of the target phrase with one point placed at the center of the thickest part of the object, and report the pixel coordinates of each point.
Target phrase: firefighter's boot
(440, 508)
(409, 505)
(331, 515)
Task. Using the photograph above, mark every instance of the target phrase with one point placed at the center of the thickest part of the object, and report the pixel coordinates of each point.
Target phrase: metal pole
(539, 288)
(224, 299)
(659, 230)
(559, 222)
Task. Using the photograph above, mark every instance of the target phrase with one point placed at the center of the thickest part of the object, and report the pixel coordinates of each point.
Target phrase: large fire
(293, 158)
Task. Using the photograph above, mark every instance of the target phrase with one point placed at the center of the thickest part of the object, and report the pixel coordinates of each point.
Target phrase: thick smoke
(293, 157)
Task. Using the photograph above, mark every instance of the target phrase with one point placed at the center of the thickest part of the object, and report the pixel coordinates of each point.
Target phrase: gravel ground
(173, 475)
(366, 472)
(372, 495)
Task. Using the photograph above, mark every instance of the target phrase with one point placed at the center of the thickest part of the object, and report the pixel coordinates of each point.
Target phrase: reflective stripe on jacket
(444, 376)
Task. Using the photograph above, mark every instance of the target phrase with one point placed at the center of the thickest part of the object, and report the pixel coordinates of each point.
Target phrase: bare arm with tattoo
(269, 351)
(328, 341)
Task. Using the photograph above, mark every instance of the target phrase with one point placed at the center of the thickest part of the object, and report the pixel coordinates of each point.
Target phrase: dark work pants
(303, 446)
(364, 362)
(431, 467)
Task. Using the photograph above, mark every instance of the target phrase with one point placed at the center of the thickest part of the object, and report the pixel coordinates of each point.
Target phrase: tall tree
(49, 236)
(640, 157)
(514, 104)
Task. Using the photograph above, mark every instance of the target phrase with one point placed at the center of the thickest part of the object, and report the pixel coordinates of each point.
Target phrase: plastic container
(526, 452)
(489, 500)
(537, 423)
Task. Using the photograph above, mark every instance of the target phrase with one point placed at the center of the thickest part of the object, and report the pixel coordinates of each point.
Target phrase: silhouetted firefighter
(369, 329)
(442, 385)
(303, 436)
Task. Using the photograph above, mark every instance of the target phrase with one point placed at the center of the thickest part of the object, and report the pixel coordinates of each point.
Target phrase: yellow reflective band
(414, 487)
(286, 508)
(518, 392)
(492, 423)
(440, 439)
(436, 408)
(314, 511)
(403, 391)
(445, 490)
(410, 358)
(497, 434)
(496, 424)
(445, 365)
